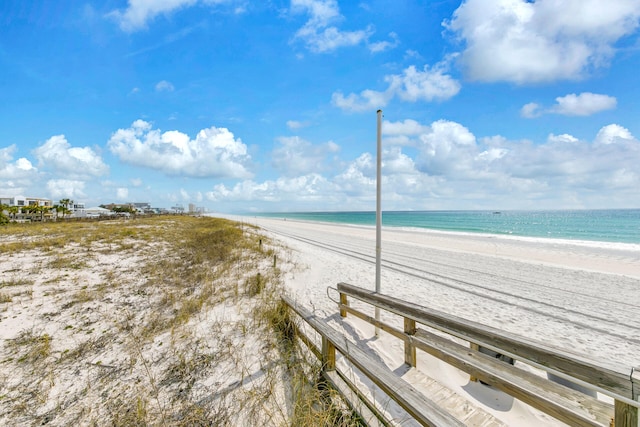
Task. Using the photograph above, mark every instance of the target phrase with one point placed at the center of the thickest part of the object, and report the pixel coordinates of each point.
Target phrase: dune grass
(158, 321)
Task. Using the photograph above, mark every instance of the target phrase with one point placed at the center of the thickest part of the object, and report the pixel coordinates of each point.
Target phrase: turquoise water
(619, 225)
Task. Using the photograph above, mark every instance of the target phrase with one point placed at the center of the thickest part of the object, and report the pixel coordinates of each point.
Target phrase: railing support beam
(409, 348)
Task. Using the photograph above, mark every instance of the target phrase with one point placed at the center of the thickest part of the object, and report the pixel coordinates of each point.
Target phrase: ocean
(613, 226)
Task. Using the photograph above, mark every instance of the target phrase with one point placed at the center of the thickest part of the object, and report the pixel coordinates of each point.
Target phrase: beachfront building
(74, 209)
(143, 208)
(22, 201)
(22, 208)
(179, 209)
(97, 211)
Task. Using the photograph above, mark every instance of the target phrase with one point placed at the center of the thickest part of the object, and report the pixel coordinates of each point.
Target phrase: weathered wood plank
(355, 401)
(563, 403)
(626, 415)
(409, 349)
(425, 411)
(476, 347)
(343, 301)
(328, 355)
(607, 378)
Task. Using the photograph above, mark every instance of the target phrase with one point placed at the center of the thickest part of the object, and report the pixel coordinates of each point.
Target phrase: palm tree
(13, 211)
(65, 203)
(3, 218)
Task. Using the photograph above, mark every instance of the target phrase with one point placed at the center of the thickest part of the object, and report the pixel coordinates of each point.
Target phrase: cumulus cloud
(312, 188)
(384, 45)
(430, 84)
(19, 169)
(214, 152)
(584, 104)
(426, 85)
(16, 176)
(296, 156)
(122, 193)
(318, 34)
(560, 167)
(66, 189)
(542, 41)
(139, 12)
(58, 156)
(164, 86)
(367, 100)
(295, 125)
(443, 164)
(613, 133)
(531, 110)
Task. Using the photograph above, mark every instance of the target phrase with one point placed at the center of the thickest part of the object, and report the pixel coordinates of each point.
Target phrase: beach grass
(170, 320)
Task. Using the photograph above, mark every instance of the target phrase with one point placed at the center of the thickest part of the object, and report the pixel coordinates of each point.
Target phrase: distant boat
(497, 213)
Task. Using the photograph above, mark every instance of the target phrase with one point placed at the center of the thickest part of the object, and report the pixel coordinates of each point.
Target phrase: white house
(21, 201)
(97, 211)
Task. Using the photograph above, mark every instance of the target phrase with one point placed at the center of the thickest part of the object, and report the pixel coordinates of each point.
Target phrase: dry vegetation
(161, 321)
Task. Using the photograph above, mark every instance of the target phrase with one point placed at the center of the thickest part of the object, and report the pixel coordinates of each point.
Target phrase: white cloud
(20, 169)
(215, 152)
(317, 34)
(447, 148)
(368, 100)
(454, 168)
(531, 110)
(584, 104)
(139, 12)
(614, 133)
(61, 158)
(381, 46)
(15, 176)
(66, 189)
(427, 85)
(312, 188)
(122, 193)
(164, 86)
(407, 127)
(295, 156)
(524, 41)
(412, 85)
(295, 125)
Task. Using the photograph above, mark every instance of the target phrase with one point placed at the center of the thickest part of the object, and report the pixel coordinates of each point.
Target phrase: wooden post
(328, 355)
(274, 261)
(343, 300)
(409, 349)
(625, 414)
(475, 347)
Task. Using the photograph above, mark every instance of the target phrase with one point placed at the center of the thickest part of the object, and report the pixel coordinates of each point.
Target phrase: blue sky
(241, 106)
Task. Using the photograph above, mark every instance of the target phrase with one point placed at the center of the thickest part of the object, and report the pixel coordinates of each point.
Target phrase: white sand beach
(578, 297)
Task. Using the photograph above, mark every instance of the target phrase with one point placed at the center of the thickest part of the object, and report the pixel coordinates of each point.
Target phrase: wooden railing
(420, 407)
(566, 404)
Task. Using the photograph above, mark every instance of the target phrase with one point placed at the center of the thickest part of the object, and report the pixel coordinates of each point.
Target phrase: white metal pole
(378, 212)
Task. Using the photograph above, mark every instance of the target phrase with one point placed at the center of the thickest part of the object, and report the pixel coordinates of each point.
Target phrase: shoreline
(623, 246)
(603, 257)
(603, 227)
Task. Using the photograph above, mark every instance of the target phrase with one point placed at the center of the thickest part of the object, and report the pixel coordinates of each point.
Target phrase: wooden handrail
(623, 387)
(424, 410)
(606, 378)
